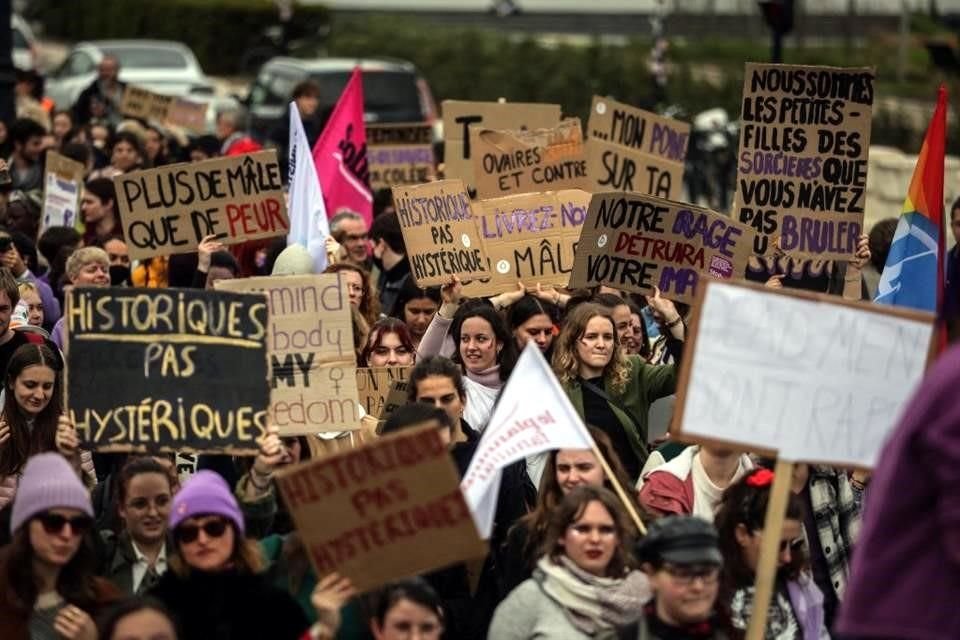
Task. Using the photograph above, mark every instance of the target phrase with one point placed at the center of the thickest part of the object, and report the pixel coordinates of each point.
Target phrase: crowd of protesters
(121, 546)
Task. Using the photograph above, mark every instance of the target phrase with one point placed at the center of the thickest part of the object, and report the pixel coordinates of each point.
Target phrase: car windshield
(390, 94)
(147, 57)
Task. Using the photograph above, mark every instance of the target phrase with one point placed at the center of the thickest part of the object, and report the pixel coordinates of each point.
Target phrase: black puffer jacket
(230, 606)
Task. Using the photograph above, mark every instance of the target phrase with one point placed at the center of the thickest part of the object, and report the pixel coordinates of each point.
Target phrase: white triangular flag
(308, 213)
(519, 428)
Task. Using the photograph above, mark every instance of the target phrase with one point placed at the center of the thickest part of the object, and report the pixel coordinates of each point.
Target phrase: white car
(158, 65)
(24, 45)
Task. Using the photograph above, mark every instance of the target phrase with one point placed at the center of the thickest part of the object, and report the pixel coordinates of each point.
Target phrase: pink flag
(340, 155)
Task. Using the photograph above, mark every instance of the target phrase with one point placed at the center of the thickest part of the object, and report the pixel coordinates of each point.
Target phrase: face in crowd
(591, 540)
(479, 347)
(441, 392)
(206, 542)
(391, 352)
(33, 388)
(353, 237)
(577, 467)
(417, 314)
(538, 329)
(146, 506)
(595, 346)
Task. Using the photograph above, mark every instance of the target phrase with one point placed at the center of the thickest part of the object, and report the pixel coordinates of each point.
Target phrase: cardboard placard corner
(439, 231)
(407, 510)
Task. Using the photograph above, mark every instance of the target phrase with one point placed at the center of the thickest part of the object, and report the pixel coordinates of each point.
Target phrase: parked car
(393, 90)
(25, 55)
(158, 65)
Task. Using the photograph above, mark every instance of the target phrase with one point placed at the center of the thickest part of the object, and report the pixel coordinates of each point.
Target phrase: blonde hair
(23, 287)
(84, 256)
(566, 362)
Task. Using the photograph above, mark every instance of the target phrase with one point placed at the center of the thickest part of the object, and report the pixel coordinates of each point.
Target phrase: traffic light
(778, 14)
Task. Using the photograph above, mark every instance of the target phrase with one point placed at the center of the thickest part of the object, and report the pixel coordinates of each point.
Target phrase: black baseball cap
(681, 540)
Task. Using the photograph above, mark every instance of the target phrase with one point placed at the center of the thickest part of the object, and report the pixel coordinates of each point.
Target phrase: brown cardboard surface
(633, 150)
(374, 385)
(802, 162)
(174, 110)
(399, 154)
(310, 350)
(510, 162)
(635, 242)
(529, 238)
(459, 115)
(437, 221)
(172, 208)
(387, 510)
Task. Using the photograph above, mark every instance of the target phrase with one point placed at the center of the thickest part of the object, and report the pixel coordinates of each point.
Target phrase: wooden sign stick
(770, 548)
(627, 505)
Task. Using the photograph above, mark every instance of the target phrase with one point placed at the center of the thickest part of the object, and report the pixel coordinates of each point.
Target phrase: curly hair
(566, 362)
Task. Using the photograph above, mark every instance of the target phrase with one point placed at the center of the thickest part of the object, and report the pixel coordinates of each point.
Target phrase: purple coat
(905, 579)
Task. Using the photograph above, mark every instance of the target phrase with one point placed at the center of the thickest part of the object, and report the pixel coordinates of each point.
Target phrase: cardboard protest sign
(389, 509)
(374, 385)
(167, 369)
(633, 150)
(438, 228)
(812, 377)
(62, 185)
(802, 163)
(460, 115)
(511, 162)
(313, 380)
(170, 209)
(529, 238)
(637, 242)
(399, 154)
(145, 104)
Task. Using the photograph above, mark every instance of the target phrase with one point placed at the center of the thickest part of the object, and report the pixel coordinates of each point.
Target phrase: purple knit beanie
(206, 493)
(48, 482)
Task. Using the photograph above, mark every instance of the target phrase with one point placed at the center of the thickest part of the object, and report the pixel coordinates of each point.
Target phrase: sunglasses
(188, 533)
(53, 523)
(795, 545)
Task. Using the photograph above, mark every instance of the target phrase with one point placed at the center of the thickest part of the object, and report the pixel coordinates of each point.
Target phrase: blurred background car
(25, 56)
(161, 66)
(393, 91)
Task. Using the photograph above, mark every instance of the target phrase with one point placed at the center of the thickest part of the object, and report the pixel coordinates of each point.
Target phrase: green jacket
(646, 383)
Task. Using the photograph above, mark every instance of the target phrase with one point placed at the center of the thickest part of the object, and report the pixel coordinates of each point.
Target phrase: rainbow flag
(913, 275)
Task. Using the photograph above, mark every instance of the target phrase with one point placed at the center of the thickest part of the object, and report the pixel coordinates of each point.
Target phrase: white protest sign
(811, 377)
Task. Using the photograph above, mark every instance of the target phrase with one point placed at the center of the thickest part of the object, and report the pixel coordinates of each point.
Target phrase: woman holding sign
(583, 586)
(610, 390)
(31, 422)
(483, 347)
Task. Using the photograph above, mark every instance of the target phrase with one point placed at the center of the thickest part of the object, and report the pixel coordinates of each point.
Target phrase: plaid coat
(838, 521)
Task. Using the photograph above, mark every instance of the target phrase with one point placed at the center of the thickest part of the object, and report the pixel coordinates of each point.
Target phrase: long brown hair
(571, 509)
(550, 494)
(566, 362)
(745, 503)
(26, 441)
(74, 582)
(369, 303)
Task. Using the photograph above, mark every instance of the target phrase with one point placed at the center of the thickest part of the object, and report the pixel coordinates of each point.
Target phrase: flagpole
(627, 504)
